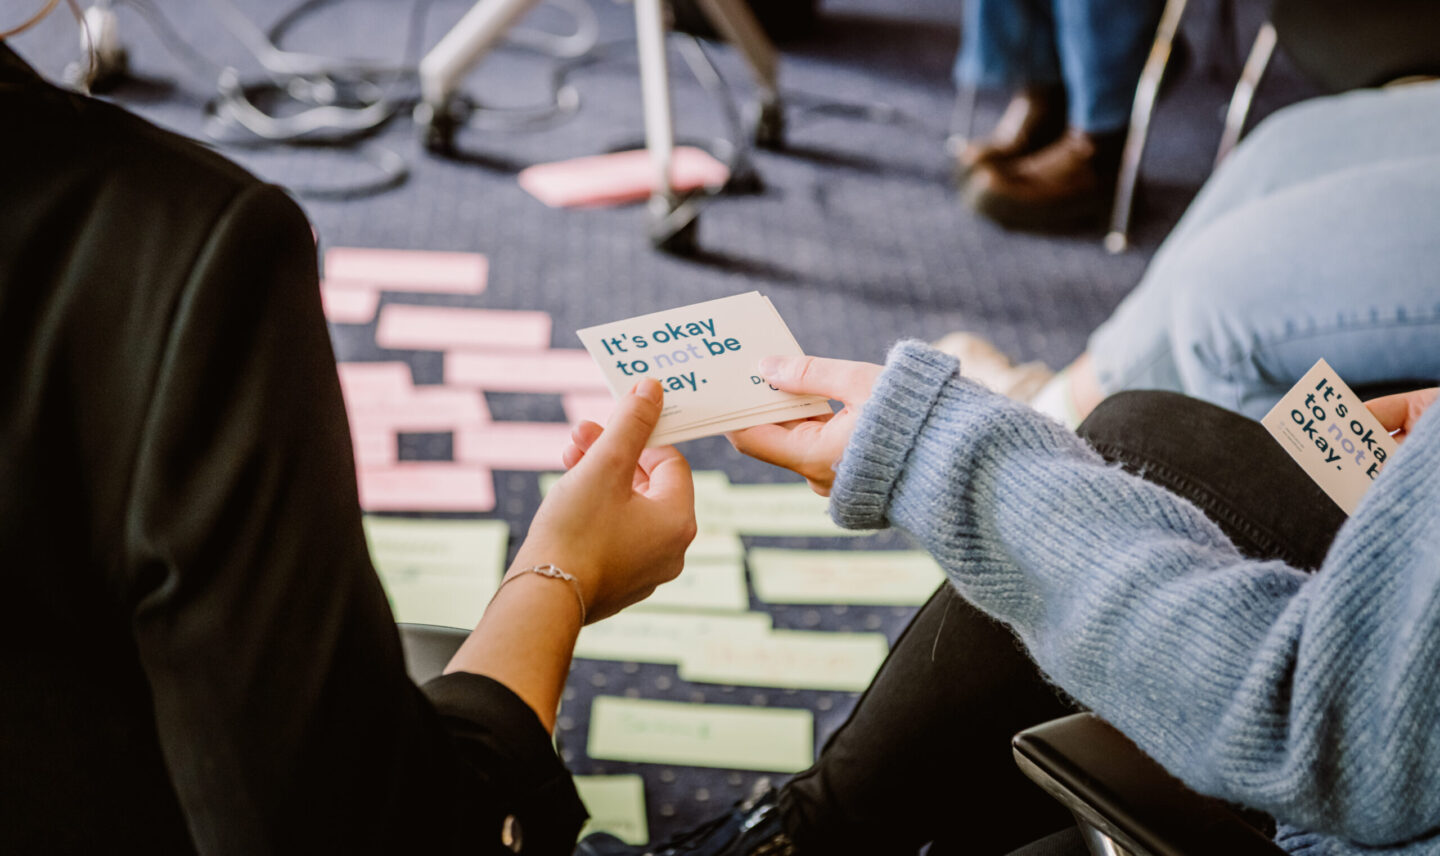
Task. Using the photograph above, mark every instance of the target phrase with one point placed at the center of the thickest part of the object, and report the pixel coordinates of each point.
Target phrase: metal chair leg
(672, 225)
(456, 53)
(1097, 842)
(1118, 238)
(1255, 65)
(962, 120)
(733, 20)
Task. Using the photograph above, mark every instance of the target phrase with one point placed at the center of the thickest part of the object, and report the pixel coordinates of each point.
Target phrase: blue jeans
(1317, 238)
(1096, 48)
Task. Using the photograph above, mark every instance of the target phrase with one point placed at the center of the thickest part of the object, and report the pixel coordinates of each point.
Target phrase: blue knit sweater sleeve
(1314, 698)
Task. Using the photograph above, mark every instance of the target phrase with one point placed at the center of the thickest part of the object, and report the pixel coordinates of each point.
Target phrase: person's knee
(1316, 119)
(1209, 324)
(1336, 131)
(1308, 120)
(1128, 414)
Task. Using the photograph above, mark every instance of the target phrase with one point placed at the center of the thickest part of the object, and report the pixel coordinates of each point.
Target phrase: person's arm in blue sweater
(1314, 698)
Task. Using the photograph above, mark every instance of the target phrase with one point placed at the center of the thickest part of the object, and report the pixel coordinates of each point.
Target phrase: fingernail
(648, 389)
(770, 366)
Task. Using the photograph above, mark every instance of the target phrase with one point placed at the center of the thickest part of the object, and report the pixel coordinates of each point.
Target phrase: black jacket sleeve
(285, 716)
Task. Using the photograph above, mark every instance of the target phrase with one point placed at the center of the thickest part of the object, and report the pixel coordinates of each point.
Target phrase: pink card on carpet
(439, 328)
(423, 409)
(514, 445)
(617, 178)
(370, 384)
(427, 486)
(580, 406)
(374, 446)
(555, 370)
(407, 270)
(349, 305)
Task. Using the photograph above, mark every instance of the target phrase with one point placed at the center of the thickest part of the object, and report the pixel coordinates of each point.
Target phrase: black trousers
(925, 756)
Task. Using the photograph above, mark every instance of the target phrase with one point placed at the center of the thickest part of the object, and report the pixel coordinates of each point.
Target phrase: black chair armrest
(1108, 783)
(428, 649)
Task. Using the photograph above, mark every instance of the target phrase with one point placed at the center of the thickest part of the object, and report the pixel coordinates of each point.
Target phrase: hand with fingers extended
(1399, 412)
(621, 517)
(810, 447)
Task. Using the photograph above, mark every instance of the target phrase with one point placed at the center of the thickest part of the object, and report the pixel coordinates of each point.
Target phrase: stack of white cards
(706, 357)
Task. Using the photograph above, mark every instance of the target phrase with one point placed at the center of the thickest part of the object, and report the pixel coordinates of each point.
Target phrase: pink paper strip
(407, 270)
(439, 328)
(614, 179)
(348, 305)
(595, 407)
(370, 384)
(557, 370)
(424, 409)
(374, 447)
(514, 445)
(427, 486)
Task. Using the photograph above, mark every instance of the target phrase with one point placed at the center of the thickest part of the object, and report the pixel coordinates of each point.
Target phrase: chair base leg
(1254, 71)
(1117, 240)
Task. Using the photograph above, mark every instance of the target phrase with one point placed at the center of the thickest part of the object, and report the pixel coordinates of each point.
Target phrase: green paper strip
(789, 659)
(663, 637)
(616, 805)
(707, 584)
(865, 577)
(701, 735)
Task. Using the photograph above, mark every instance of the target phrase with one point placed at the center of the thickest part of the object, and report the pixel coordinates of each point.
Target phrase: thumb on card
(629, 429)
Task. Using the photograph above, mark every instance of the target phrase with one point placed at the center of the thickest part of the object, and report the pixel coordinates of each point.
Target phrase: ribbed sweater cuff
(886, 432)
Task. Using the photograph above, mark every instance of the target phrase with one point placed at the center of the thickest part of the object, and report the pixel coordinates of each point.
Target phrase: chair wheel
(437, 128)
(678, 231)
(770, 126)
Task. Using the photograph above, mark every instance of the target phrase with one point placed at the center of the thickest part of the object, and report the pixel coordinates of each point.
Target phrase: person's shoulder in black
(198, 654)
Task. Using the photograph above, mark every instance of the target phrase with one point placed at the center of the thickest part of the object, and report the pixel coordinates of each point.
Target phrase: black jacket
(196, 654)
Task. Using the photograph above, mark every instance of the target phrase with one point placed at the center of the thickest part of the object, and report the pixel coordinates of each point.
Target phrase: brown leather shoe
(1068, 184)
(1034, 118)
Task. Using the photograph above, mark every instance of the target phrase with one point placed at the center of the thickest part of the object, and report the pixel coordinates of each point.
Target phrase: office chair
(428, 648)
(1126, 804)
(672, 218)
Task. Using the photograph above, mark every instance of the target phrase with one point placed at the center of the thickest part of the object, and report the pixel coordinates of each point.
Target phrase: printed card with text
(1331, 434)
(705, 356)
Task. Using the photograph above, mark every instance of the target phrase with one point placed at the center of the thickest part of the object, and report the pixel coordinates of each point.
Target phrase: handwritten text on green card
(709, 584)
(870, 577)
(663, 637)
(792, 659)
(701, 735)
(399, 544)
(439, 572)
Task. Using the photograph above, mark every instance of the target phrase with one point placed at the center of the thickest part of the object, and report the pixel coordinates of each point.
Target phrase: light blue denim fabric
(1095, 47)
(1319, 237)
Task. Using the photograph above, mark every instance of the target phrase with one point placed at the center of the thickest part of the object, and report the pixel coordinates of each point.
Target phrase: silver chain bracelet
(554, 573)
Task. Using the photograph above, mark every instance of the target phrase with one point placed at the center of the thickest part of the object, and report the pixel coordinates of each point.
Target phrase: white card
(735, 423)
(706, 357)
(1331, 434)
